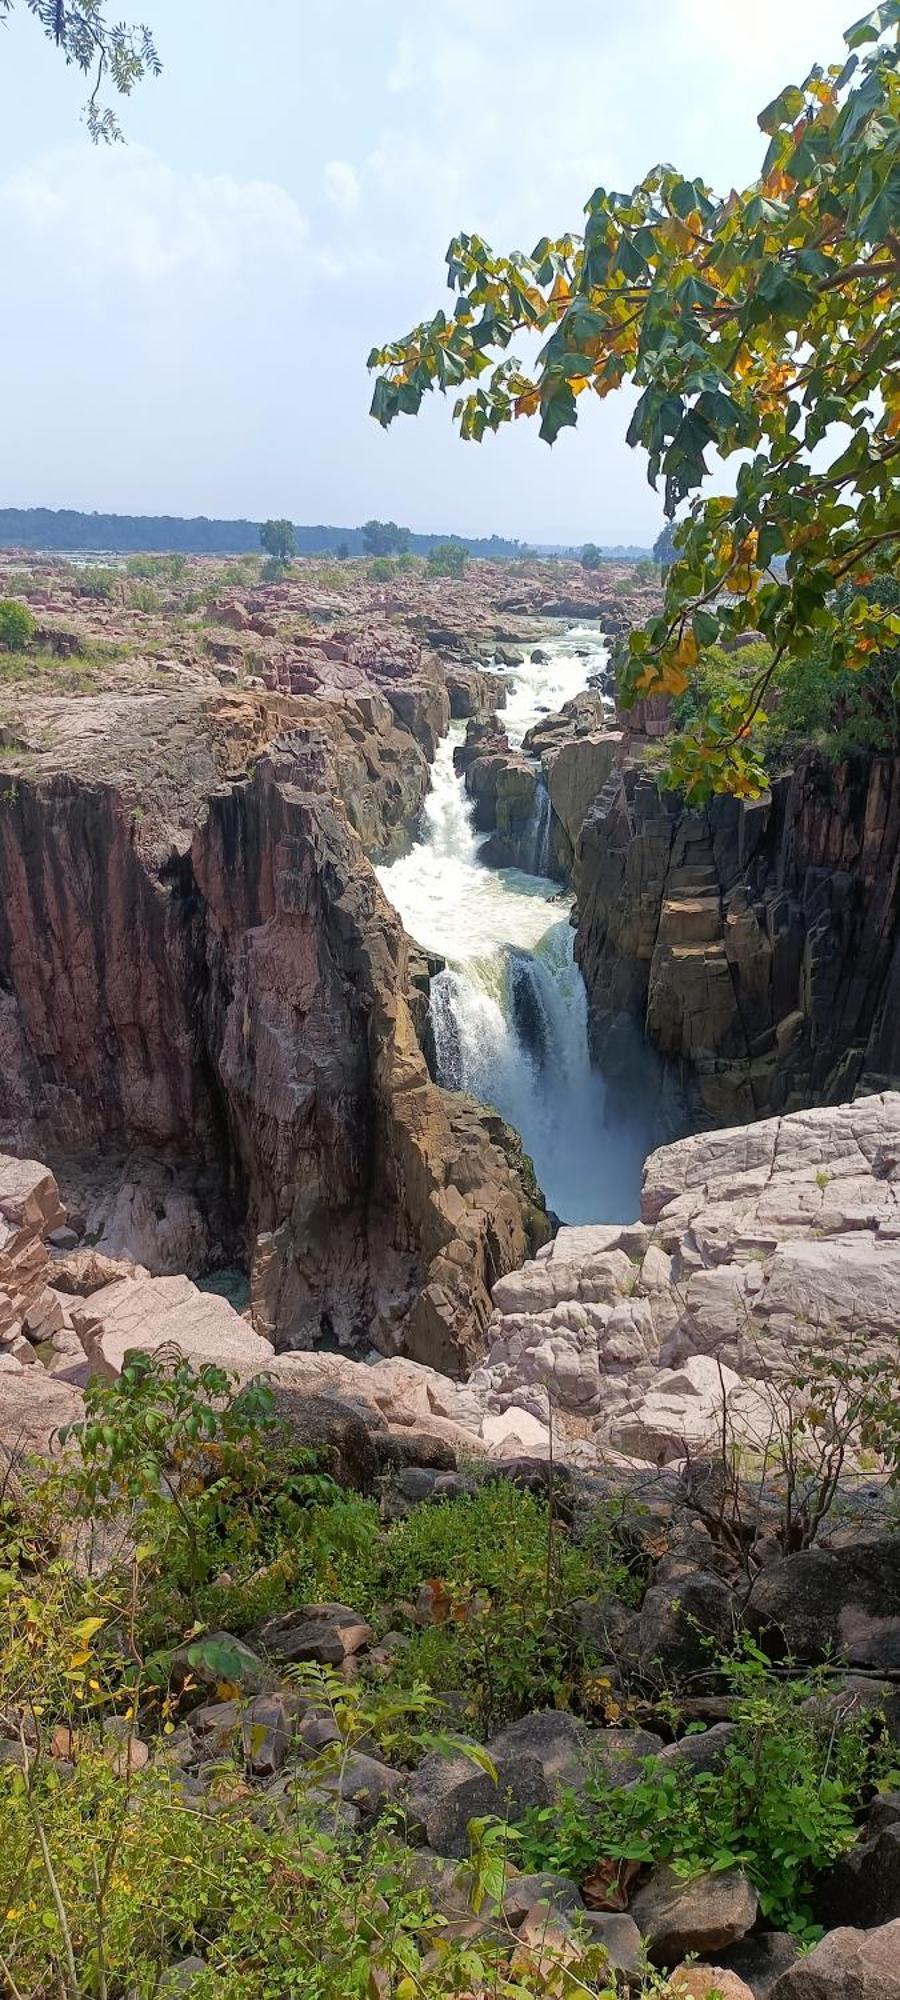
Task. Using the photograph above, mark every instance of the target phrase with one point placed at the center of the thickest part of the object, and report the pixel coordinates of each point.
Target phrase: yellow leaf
(79, 1659)
(88, 1627)
(687, 652)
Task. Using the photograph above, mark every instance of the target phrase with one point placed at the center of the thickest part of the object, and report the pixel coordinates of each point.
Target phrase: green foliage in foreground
(759, 326)
(116, 52)
(16, 626)
(208, 1518)
(784, 1803)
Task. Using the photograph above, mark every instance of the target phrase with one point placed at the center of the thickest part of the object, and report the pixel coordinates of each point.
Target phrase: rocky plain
(221, 1138)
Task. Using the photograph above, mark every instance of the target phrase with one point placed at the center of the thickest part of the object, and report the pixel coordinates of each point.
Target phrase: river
(509, 1014)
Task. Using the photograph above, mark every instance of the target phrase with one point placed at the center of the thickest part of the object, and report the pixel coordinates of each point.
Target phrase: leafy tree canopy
(664, 546)
(591, 556)
(764, 326)
(109, 52)
(277, 538)
(384, 538)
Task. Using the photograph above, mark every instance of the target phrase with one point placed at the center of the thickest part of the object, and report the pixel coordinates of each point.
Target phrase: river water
(509, 1014)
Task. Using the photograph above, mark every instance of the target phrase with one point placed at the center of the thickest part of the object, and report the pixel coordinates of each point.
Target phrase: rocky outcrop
(29, 1210)
(754, 1244)
(237, 1005)
(754, 943)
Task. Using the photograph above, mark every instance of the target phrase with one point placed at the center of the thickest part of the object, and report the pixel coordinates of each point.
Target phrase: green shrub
(786, 1801)
(448, 558)
(499, 1574)
(381, 569)
(16, 625)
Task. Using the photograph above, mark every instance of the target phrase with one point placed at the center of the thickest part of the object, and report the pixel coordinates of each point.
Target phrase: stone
(180, 1976)
(708, 1982)
(364, 1782)
(555, 1892)
(445, 1793)
(325, 1634)
(34, 1406)
(402, 1450)
(683, 1624)
(842, 1603)
(619, 1935)
(864, 1884)
(701, 1914)
(266, 1734)
(569, 1752)
(333, 1430)
(150, 1314)
(846, 1965)
(761, 1958)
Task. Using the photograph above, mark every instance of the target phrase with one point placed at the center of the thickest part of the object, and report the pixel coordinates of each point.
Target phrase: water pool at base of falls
(509, 1014)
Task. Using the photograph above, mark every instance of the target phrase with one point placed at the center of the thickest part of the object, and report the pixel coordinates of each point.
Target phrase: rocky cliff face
(229, 1002)
(755, 944)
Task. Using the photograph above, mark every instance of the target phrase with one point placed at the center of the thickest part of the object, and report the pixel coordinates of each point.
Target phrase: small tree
(16, 626)
(664, 546)
(591, 556)
(384, 538)
(277, 538)
(448, 559)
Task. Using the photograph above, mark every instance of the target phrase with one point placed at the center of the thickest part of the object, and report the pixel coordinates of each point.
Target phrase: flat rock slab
(151, 1313)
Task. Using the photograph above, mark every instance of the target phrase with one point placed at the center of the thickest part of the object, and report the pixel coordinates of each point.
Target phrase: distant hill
(64, 530)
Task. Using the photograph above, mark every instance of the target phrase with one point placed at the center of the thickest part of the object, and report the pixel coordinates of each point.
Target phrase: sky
(186, 318)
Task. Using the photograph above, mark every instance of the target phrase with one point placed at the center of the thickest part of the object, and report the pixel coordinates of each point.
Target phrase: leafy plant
(118, 52)
(760, 325)
(17, 625)
(784, 1803)
(447, 559)
(277, 538)
(185, 1464)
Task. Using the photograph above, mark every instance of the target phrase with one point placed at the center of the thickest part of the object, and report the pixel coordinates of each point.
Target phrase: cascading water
(509, 1014)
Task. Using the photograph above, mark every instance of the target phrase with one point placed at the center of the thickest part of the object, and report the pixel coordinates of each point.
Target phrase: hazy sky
(186, 319)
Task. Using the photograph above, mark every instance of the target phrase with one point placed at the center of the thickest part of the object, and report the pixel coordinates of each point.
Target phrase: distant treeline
(131, 534)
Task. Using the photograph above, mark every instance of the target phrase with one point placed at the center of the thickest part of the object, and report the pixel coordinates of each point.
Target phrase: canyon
(294, 997)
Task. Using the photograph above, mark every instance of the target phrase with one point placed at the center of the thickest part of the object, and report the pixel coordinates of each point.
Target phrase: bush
(448, 559)
(381, 569)
(498, 1572)
(17, 626)
(785, 1803)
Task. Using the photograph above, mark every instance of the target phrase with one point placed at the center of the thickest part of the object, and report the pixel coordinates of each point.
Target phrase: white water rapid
(509, 1015)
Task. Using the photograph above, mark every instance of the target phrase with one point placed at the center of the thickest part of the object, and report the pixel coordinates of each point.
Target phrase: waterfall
(508, 1016)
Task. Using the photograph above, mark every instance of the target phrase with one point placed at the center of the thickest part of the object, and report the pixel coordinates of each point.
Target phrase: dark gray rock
(266, 1734)
(619, 1936)
(335, 1431)
(396, 1450)
(324, 1634)
(683, 1624)
(364, 1782)
(864, 1885)
(569, 1753)
(557, 1892)
(445, 1793)
(706, 1751)
(760, 1960)
(843, 1603)
(701, 1915)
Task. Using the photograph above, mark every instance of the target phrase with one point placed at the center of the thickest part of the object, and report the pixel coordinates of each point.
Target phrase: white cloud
(404, 72)
(341, 184)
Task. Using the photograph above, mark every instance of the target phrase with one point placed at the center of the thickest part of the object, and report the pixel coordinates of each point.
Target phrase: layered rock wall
(237, 1007)
(755, 944)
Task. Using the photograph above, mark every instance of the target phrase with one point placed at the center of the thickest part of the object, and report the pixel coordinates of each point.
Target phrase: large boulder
(33, 1407)
(683, 1624)
(842, 1603)
(847, 1965)
(151, 1314)
(701, 1914)
(445, 1793)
